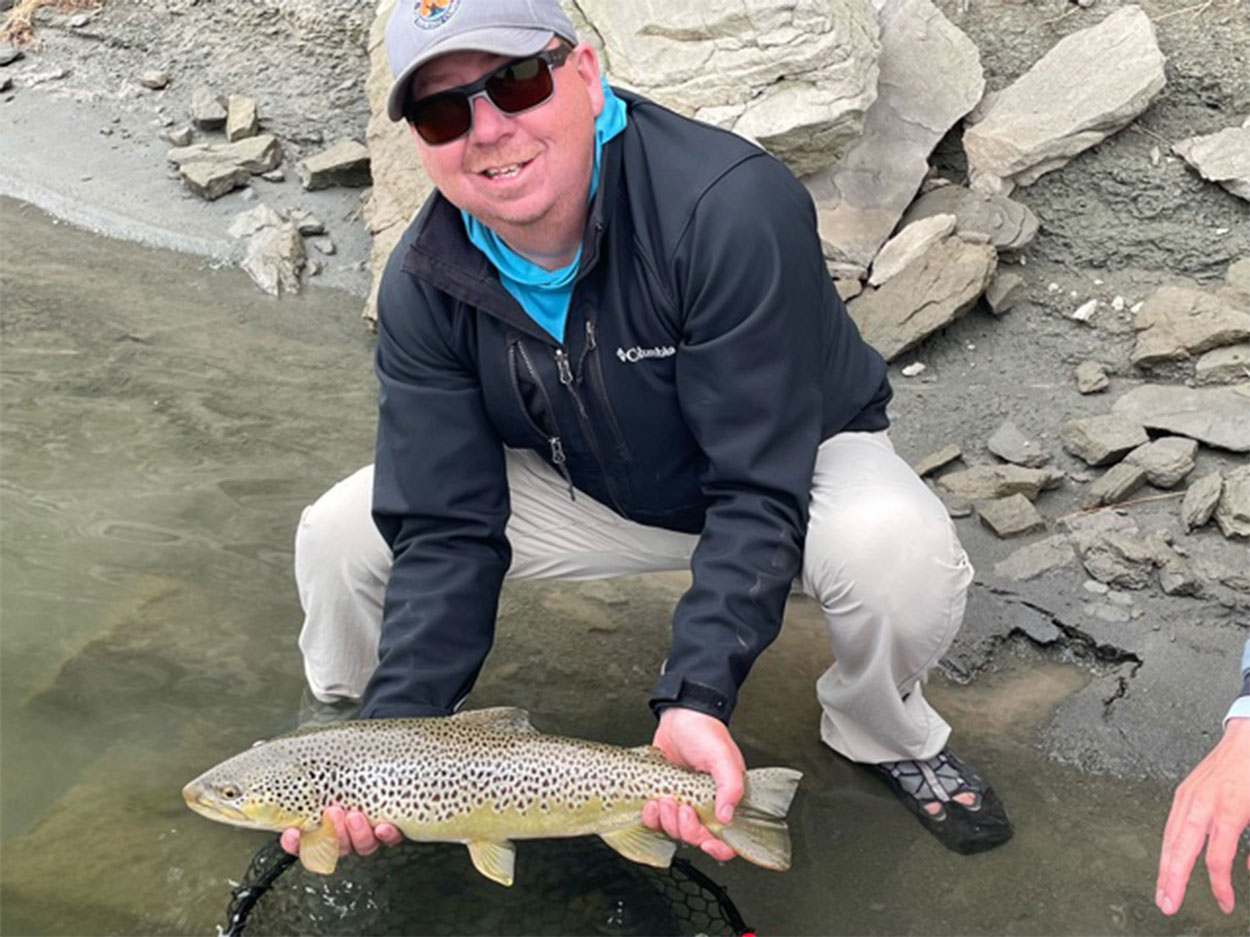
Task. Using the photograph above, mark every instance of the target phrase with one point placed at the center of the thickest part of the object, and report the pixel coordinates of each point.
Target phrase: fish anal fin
(494, 860)
(642, 844)
(319, 848)
(497, 718)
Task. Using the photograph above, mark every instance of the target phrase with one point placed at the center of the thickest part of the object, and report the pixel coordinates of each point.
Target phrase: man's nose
(489, 123)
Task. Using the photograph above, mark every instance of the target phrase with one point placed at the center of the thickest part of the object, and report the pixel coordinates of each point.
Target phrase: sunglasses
(513, 87)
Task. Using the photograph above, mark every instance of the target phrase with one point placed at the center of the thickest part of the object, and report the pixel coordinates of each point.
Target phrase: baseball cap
(420, 30)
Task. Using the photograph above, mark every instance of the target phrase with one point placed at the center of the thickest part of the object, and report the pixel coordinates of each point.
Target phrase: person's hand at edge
(356, 833)
(1212, 805)
(701, 743)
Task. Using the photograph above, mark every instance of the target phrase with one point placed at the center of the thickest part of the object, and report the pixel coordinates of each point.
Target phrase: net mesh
(569, 886)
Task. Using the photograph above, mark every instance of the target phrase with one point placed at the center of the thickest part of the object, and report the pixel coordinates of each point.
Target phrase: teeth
(503, 171)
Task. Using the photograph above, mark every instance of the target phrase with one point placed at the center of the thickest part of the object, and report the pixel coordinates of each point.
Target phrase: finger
(388, 834)
(651, 814)
(338, 816)
(668, 818)
(727, 774)
(1182, 841)
(719, 851)
(361, 833)
(290, 840)
(688, 825)
(1221, 848)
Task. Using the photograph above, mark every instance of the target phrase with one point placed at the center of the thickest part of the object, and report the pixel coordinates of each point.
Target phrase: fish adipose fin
(494, 860)
(319, 847)
(497, 718)
(758, 832)
(642, 844)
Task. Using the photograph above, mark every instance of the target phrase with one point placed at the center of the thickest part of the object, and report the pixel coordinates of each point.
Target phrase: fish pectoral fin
(319, 848)
(494, 860)
(642, 844)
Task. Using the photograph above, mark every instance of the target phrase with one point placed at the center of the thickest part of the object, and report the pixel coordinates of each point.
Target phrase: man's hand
(1211, 805)
(356, 834)
(702, 743)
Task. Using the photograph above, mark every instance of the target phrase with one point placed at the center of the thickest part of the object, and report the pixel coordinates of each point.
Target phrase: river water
(163, 424)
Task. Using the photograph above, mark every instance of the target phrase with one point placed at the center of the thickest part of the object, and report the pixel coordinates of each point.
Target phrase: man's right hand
(356, 833)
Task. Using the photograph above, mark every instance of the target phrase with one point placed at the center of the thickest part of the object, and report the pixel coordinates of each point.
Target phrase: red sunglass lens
(442, 117)
(520, 86)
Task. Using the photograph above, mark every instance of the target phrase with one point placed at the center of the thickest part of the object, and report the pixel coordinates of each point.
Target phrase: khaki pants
(881, 557)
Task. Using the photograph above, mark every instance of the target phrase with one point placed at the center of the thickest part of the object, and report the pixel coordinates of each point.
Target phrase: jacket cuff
(674, 690)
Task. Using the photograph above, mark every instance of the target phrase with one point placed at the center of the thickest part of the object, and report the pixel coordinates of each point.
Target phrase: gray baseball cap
(420, 30)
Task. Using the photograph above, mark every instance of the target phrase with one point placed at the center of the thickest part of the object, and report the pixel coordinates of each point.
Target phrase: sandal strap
(937, 779)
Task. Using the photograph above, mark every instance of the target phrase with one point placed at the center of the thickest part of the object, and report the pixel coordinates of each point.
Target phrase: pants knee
(336, 538)
(889, 550)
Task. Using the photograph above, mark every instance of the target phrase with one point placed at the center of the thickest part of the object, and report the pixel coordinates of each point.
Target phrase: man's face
(517, 173)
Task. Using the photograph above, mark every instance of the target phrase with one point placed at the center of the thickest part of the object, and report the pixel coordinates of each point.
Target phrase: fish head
(268, 787)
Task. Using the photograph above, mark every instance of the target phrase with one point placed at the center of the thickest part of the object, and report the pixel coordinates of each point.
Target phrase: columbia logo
(636, 354)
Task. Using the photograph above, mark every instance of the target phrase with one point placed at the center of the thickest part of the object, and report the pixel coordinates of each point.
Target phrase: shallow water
(163, 424)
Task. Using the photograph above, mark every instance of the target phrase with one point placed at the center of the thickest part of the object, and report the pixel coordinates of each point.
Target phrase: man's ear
(587, 62)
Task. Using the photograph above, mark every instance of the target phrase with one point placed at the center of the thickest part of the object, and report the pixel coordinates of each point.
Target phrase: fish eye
(229, 791)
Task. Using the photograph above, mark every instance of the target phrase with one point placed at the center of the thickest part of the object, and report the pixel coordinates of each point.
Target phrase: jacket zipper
(599, 388)
(553, 435)
(565, 370)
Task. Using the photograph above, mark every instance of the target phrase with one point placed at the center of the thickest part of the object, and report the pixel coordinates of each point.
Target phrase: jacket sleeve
(756, 304)
(440, 500)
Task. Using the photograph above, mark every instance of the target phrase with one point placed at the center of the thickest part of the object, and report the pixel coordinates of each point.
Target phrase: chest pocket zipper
(599, 389)
(551, 432)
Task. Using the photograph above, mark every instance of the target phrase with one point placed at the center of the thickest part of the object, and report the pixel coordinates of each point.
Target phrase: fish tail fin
(758, 831)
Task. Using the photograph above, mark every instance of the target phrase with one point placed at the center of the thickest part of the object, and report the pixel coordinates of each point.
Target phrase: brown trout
(482, 778)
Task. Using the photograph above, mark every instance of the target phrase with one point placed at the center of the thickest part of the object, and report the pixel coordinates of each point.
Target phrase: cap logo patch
(430, 14)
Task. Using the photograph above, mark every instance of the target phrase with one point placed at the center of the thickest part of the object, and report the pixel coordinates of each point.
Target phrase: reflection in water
(162, 427)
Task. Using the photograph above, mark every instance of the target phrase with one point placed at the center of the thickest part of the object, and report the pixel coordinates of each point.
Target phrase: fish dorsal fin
(642, 844)
(494, 860)
(498, 718)
(319, 847)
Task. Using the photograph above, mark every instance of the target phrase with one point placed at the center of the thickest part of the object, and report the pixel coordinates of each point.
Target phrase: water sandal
(938, 780)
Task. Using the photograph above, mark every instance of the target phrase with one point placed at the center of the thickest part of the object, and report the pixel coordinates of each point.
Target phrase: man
(1211, 806)
(608, 344)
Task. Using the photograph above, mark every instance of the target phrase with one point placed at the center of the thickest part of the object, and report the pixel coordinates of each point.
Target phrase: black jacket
(706, 357)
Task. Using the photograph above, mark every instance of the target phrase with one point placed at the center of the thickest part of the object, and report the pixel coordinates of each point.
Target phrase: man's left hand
(701, 743)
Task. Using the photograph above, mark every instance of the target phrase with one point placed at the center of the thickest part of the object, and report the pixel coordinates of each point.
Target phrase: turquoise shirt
(544, 294)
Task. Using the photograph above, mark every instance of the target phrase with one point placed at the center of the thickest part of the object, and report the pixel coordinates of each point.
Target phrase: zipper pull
(557, 456)
(590, 335)
(562, 365)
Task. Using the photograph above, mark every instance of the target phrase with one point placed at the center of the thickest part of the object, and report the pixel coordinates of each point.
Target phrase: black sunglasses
(513, 87)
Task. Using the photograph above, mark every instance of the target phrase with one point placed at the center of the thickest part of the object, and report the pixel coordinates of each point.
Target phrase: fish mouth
(201, 800)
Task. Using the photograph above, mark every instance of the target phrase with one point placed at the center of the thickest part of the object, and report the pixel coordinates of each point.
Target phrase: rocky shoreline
(1028, 252)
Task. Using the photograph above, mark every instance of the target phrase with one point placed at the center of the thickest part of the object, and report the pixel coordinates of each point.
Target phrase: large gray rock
(1008, 224)
(275, 259)
(1230, 365)
(257, 154)
(935, 290)
(797, 76)
(1200, 500)
(1165, 461)
(344, 162)
(1176, 322)
(242, 118)
(1233, 511)
(1010, 516)
(1222, 157)
(1031, 561)
(1010, 444)
(909, 244)
(1217, 416)
(930, 77)
(1098, 440)
(1089, 85)
(1114, 485)
(400, 184)
(208, 108)
(990, 482)
(1122, 558)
